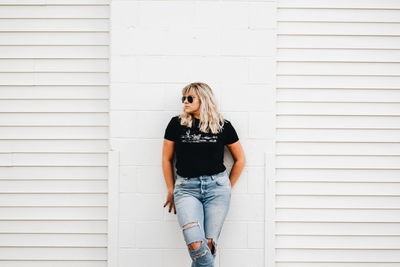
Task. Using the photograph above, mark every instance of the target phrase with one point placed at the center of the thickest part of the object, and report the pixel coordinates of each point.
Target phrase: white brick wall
(157, 47)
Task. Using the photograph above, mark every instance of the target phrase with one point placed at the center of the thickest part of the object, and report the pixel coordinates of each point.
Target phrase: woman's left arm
(239, 161)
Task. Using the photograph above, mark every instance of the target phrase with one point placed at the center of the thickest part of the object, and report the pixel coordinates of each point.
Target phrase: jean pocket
(223, 179)
(180, 181)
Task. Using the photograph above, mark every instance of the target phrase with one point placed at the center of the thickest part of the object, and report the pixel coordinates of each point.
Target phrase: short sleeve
(230, 135)
(171, 130)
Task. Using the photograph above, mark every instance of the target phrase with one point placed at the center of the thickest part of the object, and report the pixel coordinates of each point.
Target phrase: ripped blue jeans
(202, 204)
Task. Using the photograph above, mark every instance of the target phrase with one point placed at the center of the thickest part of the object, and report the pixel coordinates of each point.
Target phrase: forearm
(236, 170)
(168, 174)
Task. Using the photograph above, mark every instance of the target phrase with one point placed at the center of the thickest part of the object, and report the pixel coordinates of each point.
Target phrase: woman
(201, 193)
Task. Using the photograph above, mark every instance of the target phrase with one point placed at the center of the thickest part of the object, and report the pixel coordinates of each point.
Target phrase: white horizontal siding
(338, 151)
(54, 65)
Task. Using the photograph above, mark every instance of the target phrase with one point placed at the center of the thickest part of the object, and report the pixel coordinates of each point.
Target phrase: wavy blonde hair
(210, 117)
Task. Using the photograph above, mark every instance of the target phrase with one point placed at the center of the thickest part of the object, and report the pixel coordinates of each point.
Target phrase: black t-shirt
(199, 153)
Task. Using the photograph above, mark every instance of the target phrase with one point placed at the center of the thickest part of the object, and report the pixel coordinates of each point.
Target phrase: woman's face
(194, 107)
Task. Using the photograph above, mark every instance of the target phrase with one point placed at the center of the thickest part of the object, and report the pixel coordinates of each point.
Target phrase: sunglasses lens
(189, 98)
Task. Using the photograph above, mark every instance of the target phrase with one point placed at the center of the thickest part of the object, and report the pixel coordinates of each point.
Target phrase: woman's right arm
(167, 164)
(167, 159)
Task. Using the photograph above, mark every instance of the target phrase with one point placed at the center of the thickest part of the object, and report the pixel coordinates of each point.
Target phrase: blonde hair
(210, 117)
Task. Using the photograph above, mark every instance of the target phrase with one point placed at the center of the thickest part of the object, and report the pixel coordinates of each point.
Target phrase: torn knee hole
(190, 225)
(199, 255)
(195, 245)
(211, 245)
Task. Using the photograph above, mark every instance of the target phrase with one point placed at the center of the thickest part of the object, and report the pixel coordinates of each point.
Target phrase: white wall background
(337, 162)
(157, 47)
(53, 133)
(326, 196)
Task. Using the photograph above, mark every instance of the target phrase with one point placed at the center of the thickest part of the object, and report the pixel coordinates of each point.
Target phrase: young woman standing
(201, 192)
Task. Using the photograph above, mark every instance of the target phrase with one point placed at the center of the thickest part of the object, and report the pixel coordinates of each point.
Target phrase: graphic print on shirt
(192, 137)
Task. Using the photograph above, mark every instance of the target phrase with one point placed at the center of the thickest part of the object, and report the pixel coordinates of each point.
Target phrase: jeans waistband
(214, 175)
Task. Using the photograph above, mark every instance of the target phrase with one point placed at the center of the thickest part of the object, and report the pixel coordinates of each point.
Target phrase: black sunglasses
(189, 98)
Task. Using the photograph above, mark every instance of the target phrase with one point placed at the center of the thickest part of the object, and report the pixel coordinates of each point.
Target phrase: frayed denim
(202, 204)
